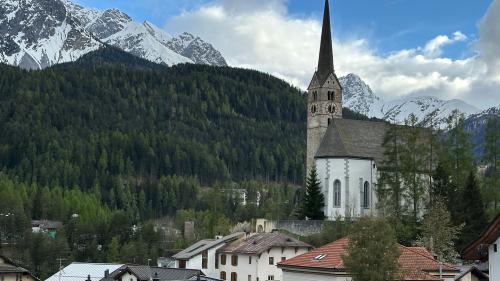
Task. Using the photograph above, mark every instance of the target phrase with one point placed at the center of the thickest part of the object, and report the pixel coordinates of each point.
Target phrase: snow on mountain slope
(359, 97)
(198, 50)
(136, 39)
(36, 34)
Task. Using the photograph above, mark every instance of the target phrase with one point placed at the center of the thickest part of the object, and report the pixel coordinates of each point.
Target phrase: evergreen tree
(372, 252)
(113, 252)
(472, 213)
(314, 200)
(442, 189)
(491, 157)
(438, 233)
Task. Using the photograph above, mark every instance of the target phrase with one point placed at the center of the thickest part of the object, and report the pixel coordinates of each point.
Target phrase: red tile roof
(416, 262)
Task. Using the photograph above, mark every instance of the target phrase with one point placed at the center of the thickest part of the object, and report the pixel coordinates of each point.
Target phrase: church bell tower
(324, 95)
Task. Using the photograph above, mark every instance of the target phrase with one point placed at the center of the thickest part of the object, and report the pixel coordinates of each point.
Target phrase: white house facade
(202, 255)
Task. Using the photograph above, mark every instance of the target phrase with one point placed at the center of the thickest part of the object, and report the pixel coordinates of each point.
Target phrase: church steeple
(325, 63)
(324, 100)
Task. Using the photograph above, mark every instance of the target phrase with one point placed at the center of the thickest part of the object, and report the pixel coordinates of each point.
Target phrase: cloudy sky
(445, 48)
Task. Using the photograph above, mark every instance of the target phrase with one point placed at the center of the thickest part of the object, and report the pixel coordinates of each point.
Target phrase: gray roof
(78, 271)
(464, 269)
(325, 61)
(205, 244)
(353, 139)
(46, 224)
(7, 268)
(145, 273)
(258, 243)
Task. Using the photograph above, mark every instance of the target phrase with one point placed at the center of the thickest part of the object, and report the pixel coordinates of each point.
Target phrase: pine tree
(442, 189)
(314, 200)
(472, 211)
(113, 254)
(372, 252)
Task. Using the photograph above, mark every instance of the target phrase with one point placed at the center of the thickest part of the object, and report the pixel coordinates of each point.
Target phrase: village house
(486, 248)
(254, 257)
(202, 254)
(11, 271)
(250, 257)
(326, 264)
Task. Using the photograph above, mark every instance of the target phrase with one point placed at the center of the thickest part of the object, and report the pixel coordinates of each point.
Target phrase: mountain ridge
(62, 31)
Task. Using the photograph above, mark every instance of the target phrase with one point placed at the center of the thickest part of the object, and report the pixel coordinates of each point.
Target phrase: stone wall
(298, 227)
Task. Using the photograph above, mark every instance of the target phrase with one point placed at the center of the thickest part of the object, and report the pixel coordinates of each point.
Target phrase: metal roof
(206, 244)
(77, 271)
(145, 273)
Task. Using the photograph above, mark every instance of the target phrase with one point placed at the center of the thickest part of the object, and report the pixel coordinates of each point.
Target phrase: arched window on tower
(336, 193)
(315, 96)
(330, 95)
(366, 195)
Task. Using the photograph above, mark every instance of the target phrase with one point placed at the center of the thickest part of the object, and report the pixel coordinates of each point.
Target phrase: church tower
(324, 99)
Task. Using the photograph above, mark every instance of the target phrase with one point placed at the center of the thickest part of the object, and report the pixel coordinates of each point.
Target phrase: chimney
(88, 278)
(106, 273)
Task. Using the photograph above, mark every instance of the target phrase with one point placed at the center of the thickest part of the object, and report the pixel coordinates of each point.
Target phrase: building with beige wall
(10, 271)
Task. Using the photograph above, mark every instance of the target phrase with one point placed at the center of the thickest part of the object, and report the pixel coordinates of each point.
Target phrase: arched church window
(366, 195)
(313, 109)
(331, 108)
(336, 193)
(315, 95)
(329, 121)
(330, 95)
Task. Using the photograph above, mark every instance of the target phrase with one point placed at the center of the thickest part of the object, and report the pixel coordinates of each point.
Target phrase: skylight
(319, 257)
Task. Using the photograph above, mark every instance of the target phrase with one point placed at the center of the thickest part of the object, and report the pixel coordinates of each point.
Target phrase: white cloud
(259, 34)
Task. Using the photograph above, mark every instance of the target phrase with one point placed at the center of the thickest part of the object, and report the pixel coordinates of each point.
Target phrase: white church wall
(352, 174)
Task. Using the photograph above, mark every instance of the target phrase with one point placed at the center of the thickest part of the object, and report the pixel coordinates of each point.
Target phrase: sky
(443, 48)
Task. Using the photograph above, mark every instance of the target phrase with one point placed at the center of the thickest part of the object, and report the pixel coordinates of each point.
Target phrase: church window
(331, 108)
(313, 109)
(366, 195)
(329, 121)
(330, 95)
(315, 95)
(336, 193)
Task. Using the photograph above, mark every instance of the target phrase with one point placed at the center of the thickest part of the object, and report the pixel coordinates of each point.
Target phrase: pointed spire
(325, 63)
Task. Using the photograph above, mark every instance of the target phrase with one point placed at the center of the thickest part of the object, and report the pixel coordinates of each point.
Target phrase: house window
(336, 193)
(249, 259)
(234, 277)
(204, 259)
(495, 248)
(223, 275)
(234, 260)
(270, 277)
(182, 264)
(249, 277)
(223, 259)
(271, 260)
(216, 261)
(366, 195)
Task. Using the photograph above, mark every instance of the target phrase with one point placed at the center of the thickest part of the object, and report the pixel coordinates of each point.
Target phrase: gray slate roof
(7, 268)
(258, 243)
(78, 271)
(353, 139)
(205, 244)
(145, 273)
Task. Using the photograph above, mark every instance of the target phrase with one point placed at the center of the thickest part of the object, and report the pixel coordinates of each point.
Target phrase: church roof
(353, 139)
(325, 62)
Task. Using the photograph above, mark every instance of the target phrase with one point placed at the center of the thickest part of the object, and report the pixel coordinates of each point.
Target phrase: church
(346, 153)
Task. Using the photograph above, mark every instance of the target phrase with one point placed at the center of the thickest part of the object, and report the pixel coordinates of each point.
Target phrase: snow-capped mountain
(359, 97)
(476, 126)
(36, 34)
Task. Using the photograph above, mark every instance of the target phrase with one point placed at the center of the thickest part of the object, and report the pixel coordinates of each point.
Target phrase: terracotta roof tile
(416, 262)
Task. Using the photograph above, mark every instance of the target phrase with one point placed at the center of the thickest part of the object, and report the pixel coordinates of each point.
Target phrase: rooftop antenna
(61, 270)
